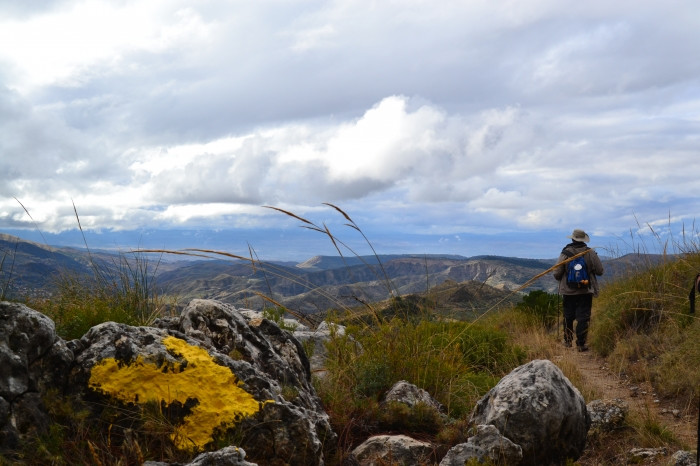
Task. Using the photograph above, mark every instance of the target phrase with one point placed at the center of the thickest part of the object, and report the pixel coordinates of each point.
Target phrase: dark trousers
(577, 307)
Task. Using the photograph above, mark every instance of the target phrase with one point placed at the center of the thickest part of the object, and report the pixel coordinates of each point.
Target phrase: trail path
(681, 420)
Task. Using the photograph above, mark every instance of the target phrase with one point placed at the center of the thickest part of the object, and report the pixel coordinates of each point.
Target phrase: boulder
(411, 395)
(229, 456)
(393, 449)
(33, 360)
(538, 408)
(487, 446)
(210, 372)
(684, 458)
(607, 415)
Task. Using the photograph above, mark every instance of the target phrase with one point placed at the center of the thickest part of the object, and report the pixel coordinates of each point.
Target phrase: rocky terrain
(235, 389)
(217, 370)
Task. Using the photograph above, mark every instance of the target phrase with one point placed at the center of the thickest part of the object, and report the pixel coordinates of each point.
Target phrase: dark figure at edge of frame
(578, 300)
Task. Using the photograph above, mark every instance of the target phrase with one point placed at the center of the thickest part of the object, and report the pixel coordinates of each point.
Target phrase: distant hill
(30, 268)
(315, 285)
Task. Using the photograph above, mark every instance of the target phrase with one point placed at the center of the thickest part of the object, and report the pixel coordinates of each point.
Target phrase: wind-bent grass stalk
(10, 275)
(255, 265)
(337, 243)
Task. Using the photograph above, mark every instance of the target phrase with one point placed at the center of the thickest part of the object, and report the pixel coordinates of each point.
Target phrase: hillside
(311, 286)
(30, 268)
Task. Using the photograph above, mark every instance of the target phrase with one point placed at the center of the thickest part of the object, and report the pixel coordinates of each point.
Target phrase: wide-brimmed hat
(579, 235)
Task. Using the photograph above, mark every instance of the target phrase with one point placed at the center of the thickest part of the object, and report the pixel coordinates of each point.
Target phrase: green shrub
(456, 362)
(276, 315)
(543, 307)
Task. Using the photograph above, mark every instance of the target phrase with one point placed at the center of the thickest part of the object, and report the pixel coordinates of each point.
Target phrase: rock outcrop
(210, 373)
(607, 415)
(228, 456)
(393, 449)
(33, 360)
(537, 407)
(487, 446)
(316, 341)
(411, 395)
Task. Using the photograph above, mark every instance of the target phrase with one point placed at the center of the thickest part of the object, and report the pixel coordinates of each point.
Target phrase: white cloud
(65, 43)
(448, 116)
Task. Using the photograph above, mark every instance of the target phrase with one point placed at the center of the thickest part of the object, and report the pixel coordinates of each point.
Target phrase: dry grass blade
(314, 228)
(269, 268)
(342, 212)
(221, 253)
(335, 245)
(252, 262)
(168, 251)
(32, 219)
(286, 212)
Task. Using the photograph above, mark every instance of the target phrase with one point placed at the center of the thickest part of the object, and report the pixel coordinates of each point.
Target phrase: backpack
(577, 271)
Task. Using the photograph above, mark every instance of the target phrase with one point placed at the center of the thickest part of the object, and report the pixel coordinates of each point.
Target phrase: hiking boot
(582, 348)
(567, 344)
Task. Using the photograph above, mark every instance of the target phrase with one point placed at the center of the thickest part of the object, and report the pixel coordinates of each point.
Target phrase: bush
(456, 362)
(543, 307)
(123, 292)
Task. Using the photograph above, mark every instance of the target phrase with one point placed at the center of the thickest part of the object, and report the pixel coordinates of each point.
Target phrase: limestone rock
(638, 455)
(229, 456)
(411, 395)
(393, 449)
(207, 369)
(33, 359)
(487, 446)
(684, 458)
(538, 408)
(607, 415)
(316, 340)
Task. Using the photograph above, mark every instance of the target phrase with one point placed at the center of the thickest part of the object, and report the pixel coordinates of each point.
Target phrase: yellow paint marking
(221, 399)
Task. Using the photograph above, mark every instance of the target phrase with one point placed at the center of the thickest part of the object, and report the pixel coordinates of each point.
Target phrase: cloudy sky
(463, 127)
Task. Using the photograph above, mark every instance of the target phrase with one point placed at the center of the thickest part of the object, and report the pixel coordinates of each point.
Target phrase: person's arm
(559, 271)
(597, 264)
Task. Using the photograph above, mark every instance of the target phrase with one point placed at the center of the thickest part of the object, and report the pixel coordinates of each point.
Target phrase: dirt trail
(681, 420)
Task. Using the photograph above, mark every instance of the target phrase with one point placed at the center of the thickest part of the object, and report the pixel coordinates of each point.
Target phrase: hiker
(578, 285)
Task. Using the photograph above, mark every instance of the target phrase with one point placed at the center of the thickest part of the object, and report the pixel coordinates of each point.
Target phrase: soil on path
(681, 420)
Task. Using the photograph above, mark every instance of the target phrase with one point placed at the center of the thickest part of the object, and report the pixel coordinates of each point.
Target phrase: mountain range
(314, 285)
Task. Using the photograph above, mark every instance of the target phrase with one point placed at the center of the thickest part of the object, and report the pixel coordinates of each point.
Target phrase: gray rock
(261, 343)
(684, 458)
(394, 450)
(607, 415)
(33, 360)
(637, 455)
(316, 340)
(411, 395)
(538, 408)
(229, 456)
(287, 323)
(487, 446)
(268, 365)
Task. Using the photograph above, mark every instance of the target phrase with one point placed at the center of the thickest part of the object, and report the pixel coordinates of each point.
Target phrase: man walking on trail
(578, 285)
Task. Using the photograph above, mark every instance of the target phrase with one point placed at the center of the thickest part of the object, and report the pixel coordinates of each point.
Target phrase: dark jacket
(593, 263)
